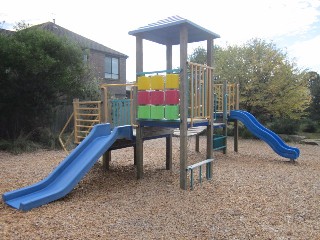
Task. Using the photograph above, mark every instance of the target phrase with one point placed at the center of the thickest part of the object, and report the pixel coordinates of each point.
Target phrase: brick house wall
(96, 56)
(96, 61)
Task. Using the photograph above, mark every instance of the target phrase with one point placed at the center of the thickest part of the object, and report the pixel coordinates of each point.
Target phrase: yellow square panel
(157, 82)
(143, 83)
(172, 81)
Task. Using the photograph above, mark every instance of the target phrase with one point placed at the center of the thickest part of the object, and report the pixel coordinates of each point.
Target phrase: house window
(85, 54)
(111, 68)
(85, 58)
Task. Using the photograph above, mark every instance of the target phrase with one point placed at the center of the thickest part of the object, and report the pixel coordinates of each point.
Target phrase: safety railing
(225, 98)
(118, 112)
(201, 84)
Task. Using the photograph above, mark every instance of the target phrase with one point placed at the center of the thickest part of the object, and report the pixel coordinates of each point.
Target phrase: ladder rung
(88, 114)
(86, 120)
(87, 108)
(85, 126)
(83, 131)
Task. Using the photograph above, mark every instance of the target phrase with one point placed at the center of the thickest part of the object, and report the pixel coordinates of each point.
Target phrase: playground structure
(160, 101)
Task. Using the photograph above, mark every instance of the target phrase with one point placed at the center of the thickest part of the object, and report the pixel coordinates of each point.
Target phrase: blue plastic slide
(265, 134)
(70, 171)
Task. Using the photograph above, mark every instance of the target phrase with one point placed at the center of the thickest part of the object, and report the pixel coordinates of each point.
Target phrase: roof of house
(82, 41)
(167, 31)
(6, 32)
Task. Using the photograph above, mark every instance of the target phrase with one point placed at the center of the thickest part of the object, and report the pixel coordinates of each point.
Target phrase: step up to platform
(207, 163)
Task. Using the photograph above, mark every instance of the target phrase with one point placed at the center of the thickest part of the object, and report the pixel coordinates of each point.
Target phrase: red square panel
(157, 97)
(172, 97)
(143, 97)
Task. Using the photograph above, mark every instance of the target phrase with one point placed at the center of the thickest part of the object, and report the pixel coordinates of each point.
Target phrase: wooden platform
(172, 123)
(193, 131)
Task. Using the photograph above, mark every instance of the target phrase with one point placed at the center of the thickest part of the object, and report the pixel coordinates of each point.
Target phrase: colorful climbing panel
(158, 97)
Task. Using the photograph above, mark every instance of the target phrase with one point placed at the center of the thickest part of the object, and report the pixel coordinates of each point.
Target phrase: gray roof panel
(167, 31)
(82, 41)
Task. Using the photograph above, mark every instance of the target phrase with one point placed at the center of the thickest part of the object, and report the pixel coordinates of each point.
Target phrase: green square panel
(157, 112)
(144, 112)
(172, 112)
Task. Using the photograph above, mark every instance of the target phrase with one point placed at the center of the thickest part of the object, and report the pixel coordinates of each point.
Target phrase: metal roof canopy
(167, 31)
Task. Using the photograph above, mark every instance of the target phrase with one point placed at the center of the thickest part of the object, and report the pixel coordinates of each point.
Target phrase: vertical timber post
(106, 157)
(169, 138)
(169, 152)
(139, 140)
(183, 106)
(211, 104)
(236, 126)
(106, 160)
(225, 113)
(75, 117)
(169, 56)
(104, 105)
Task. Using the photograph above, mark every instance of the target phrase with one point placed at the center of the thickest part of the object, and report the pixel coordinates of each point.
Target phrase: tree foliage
(270, 85)
(37, 71)
(314, 86)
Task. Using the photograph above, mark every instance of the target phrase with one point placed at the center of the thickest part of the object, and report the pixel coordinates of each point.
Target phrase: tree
(38, 71)
(270, 85)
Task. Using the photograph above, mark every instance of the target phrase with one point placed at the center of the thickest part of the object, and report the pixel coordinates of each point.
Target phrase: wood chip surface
(254, 194)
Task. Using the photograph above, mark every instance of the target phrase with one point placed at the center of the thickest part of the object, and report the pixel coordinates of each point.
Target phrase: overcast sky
(292, 25)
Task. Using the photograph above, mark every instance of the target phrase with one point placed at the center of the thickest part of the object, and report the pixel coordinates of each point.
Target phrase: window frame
(108, 65)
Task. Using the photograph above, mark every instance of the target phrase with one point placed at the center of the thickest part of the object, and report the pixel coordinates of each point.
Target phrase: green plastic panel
(172, 112)
(144, 112)
(157, 112)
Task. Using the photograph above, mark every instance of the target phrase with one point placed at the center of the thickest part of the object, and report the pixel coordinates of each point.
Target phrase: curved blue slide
(265, 134)
(70, 171)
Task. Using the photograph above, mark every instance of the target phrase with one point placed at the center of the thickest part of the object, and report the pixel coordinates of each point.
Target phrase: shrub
(284, 126)
(19, 145)
(309, 126)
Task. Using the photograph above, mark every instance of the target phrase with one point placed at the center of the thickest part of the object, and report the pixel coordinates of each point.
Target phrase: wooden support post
(139, 133)
(135, 155)
(169, 56)
(197, 143)
(225, 113)
(236, 136)
(104, 105)
(169, 152)
(75, 117)
(104, 118)
(236, 126)
(106, 160)
(183, 106)
(211, 105)
(139, 152)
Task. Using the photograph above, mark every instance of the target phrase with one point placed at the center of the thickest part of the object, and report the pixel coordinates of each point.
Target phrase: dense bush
(309, 126)
(284, 126)
(38, 71)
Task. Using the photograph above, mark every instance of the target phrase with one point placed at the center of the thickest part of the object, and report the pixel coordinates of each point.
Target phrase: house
(108, 65)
